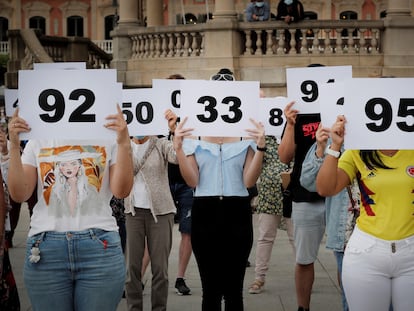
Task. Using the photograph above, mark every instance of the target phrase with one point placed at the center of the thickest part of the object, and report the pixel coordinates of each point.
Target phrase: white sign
(219, 108)
(381, 115)
(272, 116)
(303, 84)
(61, 65)
(168, 91)
(331, 102)
(68, 104)
(11, 101)
(144, 115)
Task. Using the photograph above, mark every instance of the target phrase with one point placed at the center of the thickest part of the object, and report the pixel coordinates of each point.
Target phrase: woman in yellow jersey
(378, 265)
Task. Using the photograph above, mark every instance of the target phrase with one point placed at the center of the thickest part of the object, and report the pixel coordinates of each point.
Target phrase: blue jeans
(81, 270)
(183, 199)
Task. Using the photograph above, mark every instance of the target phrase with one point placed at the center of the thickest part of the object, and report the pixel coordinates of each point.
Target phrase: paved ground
(279, 293)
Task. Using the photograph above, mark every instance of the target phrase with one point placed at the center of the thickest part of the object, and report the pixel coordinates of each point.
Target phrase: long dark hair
(372, 159)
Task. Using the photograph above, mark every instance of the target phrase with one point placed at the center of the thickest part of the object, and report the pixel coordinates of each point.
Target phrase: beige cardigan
(154, 171)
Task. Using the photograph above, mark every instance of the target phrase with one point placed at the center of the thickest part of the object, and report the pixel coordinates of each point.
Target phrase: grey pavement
(279, 290)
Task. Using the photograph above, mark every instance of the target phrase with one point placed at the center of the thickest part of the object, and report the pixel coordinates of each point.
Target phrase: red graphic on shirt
(410, 171)
(366, 200)
(310, 129)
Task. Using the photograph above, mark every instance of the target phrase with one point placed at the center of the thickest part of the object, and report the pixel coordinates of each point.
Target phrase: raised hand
(116, 122)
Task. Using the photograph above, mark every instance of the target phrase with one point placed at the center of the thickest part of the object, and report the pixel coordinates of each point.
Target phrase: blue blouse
(220, 166)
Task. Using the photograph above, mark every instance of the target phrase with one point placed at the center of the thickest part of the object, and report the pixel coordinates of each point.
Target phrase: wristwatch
(335, 154)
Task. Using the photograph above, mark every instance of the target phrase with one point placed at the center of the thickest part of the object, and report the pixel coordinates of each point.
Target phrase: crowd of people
(116, 202)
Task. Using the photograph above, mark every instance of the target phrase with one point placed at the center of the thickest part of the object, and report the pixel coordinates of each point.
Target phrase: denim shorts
(80, 270)
(183, 199)
(308, 229)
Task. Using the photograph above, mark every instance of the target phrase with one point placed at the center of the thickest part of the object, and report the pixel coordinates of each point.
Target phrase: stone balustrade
(264, 38)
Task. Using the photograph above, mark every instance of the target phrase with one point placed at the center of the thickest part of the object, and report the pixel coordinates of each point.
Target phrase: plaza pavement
(278, 294)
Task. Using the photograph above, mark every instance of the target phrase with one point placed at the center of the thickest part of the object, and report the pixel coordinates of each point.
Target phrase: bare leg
(304, 277)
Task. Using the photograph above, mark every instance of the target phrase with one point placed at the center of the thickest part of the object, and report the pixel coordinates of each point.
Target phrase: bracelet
(262, 149)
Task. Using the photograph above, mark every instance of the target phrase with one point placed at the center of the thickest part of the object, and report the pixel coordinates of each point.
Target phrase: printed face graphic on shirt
(72, 177)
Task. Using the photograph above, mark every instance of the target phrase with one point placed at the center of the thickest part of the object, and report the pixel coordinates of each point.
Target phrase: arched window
(110, 23)
(4, 26)
(190, 18)
(38, 22)
(345, 15)
(75, 26)
(310, 15)
(348, 15)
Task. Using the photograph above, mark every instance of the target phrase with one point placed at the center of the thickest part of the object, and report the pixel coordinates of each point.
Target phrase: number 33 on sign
(219, 108)
(68, 104)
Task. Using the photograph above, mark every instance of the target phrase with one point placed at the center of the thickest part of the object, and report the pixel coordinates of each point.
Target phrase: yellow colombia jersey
(387, 195)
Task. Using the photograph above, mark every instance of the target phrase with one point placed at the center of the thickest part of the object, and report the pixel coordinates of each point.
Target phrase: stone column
(128, 12)
(121, 42)
(398, 43)
(399, 8)
(223, 28)
(225, 9)
(155, 13)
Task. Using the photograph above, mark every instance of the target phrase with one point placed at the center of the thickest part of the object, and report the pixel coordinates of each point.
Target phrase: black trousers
(222, 236)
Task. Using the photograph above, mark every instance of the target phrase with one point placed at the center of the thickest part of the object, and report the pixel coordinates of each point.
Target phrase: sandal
(256, 287)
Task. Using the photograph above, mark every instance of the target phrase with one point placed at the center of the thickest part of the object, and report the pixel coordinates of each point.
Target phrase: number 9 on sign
(52, 100)
(380, 109)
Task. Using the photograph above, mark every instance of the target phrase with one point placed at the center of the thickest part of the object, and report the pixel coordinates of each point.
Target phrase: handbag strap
(138, 163)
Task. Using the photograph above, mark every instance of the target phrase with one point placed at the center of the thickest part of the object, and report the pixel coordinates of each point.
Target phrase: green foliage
(3, 60)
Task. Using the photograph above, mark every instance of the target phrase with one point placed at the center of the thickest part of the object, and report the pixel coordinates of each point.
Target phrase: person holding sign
(270, 211)
(221, 169)
(308, 208)
(74, 259)
(378, 261)
(338, 207)
(149, 211)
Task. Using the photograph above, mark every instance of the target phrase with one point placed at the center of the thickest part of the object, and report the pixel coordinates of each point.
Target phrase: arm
(266, 14)
(22, 179)
(331, 179)
(3, 209)
(287, 146)
(254, 160)
(314, 159)
(249, 13)
(4, 157)
(188, 165)
(121, 173)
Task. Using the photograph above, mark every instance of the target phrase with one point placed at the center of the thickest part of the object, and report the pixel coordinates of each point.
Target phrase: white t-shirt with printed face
(73, 184)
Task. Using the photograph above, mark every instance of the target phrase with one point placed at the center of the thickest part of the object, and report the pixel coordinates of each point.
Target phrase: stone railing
(28, 46)
(104, 45)
(264, 38)
(4, 47)
(168, 41)
(312, 37)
